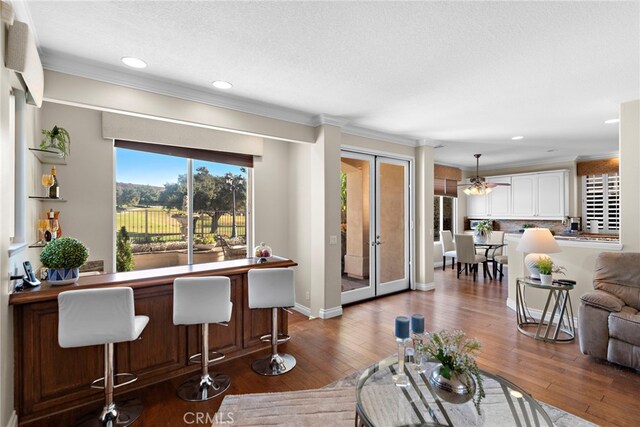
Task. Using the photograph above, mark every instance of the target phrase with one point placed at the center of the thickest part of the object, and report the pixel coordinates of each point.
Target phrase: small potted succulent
(56, 139)
(63, 258)
(483, 231)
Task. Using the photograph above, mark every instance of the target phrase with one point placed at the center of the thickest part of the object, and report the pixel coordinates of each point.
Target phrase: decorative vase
(481, 238)
(62, 276)
(546, 279)
(459, 389)
(262, 252)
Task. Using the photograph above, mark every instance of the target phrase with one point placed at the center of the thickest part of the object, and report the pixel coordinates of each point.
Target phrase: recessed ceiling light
(611, 121)
(134, 62)
(221, 84)
(516, 138)
(552, 150)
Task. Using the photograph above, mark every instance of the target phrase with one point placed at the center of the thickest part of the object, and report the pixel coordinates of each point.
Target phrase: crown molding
(326, 119)
(598, 156)
(428, 142)
(533, 162)
(379, 135)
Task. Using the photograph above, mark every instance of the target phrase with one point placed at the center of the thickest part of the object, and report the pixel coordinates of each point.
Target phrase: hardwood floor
(327, 350)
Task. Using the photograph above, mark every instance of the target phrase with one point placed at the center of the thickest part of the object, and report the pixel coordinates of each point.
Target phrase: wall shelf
(48, 199)
(49, 157)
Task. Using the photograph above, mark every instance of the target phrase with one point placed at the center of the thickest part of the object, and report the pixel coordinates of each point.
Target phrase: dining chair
(466, 251)
(448, 248)
(493, 254)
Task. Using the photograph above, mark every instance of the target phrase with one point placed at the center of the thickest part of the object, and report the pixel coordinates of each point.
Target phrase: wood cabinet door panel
(50, 374)
(161, 347)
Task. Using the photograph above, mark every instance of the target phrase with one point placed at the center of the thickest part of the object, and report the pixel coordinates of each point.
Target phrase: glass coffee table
(379, 402)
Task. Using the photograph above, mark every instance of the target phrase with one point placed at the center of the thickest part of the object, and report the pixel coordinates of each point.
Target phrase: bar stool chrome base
(200, 388)
(274, 364)
(120, 414)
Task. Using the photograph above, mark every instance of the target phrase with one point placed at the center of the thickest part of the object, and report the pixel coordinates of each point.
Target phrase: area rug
(333, 405)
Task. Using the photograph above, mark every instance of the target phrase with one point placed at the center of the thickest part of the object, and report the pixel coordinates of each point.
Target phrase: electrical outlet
(333, 240)
(307, 296)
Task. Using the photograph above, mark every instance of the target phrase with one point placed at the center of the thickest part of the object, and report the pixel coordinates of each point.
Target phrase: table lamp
(537, 242)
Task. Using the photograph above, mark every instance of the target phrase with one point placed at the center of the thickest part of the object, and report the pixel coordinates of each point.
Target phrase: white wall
(86, 182)
(630, 175)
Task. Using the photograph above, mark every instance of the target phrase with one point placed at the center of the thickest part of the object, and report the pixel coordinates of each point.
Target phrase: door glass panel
(392, 222)
(356, 199)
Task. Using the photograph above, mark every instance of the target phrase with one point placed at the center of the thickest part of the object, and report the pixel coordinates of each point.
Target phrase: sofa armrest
(603, 300)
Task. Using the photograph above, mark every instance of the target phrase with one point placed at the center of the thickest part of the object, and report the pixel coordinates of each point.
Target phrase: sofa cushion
(625, 326)
(603, 300)
(617, 274)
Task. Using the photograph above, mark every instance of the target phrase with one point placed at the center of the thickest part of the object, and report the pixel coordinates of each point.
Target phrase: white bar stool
(273, 288)
(200, 301)
(102, 317)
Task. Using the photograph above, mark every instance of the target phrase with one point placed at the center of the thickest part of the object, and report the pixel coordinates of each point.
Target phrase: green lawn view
(159, 224)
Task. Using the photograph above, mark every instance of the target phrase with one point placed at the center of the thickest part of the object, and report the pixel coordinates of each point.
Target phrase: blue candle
(402, 327)
(417, 324)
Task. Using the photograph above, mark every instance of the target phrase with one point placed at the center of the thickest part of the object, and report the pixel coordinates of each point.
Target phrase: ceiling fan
(478, 186)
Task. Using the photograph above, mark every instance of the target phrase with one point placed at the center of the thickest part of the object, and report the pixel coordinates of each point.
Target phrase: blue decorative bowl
(62, 276)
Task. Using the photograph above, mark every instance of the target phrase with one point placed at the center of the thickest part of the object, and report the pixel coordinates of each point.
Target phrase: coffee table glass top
(379, 402)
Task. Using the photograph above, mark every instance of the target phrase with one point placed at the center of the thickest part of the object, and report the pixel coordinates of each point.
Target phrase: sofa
(608, 319)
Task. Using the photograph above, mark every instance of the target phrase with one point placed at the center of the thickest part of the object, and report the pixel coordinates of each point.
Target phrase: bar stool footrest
(282, 338)
(197, 358)
(131, 378)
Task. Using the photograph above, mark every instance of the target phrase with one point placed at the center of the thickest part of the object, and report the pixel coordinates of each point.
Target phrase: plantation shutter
(601, 201)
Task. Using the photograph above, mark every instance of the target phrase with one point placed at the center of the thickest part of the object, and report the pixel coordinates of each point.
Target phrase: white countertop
(603, 243)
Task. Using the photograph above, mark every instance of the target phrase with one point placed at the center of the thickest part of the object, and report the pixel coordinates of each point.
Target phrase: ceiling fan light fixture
(474, 190)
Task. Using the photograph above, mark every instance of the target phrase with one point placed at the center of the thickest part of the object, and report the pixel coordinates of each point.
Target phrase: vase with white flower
(456, 378)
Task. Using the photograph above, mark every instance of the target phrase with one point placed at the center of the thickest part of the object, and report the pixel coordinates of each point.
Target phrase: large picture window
(175, 210)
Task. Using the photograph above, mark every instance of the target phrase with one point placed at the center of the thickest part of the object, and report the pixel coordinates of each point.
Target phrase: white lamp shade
(538, 240)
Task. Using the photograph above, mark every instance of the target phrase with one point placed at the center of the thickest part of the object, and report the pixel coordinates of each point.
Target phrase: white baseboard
(437, 265)
(534, 312)
(13, 421)
(425, 286)
(302, 309)
(330, 312)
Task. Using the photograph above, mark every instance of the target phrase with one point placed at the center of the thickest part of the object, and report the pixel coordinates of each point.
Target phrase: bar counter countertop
(146, 278)
(50, 379)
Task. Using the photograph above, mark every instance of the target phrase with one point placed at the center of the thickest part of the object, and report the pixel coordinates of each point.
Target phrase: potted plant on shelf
(63, 258)
(546, 267)
(456, 379)
(56, 139)
(483, 231)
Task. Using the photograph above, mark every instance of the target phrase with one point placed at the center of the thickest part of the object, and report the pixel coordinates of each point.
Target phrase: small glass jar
(262, 252)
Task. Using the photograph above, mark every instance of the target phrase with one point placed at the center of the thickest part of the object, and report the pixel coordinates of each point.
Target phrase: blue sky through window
(139, 167)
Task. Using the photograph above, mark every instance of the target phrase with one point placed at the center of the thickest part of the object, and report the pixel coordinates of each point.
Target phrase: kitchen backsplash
(513, 225)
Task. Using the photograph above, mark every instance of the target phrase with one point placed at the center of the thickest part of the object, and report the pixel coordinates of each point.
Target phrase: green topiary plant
(124, 252)
(56, 138)
(65, 252)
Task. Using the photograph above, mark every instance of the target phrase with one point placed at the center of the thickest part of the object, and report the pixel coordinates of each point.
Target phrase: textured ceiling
(469, 75)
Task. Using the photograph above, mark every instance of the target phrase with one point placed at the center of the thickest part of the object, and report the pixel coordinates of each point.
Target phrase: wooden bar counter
(50, 379)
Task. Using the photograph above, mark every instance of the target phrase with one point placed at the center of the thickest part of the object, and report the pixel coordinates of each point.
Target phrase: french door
(375, 225)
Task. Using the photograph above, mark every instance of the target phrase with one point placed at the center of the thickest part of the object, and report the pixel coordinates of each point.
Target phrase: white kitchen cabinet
(499, 200)
(476, 206)
(551, 195)
(524, 193)
(542, 195)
